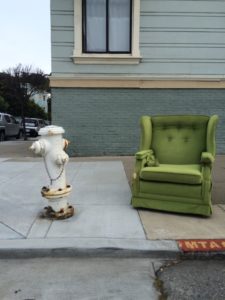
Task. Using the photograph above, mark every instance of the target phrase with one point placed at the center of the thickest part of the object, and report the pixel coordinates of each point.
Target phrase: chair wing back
(211, 134)
(178, 139)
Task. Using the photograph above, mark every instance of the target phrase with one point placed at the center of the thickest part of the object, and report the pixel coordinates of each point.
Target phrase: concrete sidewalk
(104, 223)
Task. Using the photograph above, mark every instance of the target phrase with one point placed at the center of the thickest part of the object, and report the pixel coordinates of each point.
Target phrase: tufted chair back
(179, 139)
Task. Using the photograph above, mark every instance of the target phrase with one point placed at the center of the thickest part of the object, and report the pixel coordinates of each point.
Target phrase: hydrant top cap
(51, 130)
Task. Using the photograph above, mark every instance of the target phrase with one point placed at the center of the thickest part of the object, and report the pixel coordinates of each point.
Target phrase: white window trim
(105, 58)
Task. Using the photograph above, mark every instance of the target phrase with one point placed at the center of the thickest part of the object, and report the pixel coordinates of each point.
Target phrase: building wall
(180, 39)
(176, 38)
(106, 121)
(41, 99)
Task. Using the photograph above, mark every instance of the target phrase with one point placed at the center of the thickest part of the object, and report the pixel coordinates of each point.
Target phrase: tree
(3, 105)
(35, 111)
(18, 85)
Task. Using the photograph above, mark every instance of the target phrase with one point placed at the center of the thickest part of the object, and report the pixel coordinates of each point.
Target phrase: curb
(35, 248)
(201, 248)
(100, 247)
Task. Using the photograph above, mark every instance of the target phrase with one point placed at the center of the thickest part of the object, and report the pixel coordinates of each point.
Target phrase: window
(13, 120)
(7, 118)
(106, 31)
(107, 26)
(41, 122)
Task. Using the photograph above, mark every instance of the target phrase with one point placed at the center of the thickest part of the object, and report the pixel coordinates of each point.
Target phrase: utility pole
(22, 101)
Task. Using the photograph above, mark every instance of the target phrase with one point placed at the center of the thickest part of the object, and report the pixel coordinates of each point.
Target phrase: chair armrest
(147, 158)
(207, 158)
(141, 160)
(143, 154)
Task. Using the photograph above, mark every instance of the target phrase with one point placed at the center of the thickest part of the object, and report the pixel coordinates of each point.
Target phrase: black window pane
(7, 118)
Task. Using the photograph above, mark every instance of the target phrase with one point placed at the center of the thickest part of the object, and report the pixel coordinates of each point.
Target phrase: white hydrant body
(51, 147)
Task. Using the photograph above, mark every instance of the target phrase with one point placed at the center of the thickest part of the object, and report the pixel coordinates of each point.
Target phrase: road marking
(202, 245)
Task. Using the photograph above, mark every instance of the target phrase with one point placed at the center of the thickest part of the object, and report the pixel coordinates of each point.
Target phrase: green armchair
(173, 166)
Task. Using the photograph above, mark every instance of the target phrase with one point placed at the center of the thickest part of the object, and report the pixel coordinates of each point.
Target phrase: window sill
(107, 59)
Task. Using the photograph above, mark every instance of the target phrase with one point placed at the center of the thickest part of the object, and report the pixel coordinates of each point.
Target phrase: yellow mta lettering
(204, 244)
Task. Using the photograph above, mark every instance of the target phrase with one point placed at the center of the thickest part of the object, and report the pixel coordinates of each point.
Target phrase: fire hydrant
(51, 147)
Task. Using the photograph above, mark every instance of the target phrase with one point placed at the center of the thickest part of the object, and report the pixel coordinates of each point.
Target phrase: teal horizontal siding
(157, 67)
(183, 6)
(59, 5)
(66, 19)
(183, 22)
(176, 38)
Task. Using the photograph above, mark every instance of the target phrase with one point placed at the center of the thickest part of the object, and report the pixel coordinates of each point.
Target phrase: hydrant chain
(60, 174)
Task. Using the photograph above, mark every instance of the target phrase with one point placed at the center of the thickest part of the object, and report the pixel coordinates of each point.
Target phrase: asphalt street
(193, 280)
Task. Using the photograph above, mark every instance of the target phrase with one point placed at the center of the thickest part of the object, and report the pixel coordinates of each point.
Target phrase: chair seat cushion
(189, 174)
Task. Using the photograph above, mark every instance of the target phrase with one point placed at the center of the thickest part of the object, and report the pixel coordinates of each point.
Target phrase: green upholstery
(173, 166)
(189, 174)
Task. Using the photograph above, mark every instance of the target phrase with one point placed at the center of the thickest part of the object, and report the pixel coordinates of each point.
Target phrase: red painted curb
(201, 245)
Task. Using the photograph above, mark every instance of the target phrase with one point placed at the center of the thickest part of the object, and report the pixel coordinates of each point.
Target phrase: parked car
(33, 125)
(9, 127)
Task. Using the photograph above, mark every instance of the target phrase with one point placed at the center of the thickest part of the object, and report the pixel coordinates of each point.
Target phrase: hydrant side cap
(51, 130)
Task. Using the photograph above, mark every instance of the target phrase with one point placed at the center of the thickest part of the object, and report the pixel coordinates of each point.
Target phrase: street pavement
(105, 241)
(104, 221)
(77, 278)
(193, 280)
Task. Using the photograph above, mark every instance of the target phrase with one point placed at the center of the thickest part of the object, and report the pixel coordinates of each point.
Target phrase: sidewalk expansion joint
(221, 206)
(49, 227)
(146, 236)
(17, 232)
